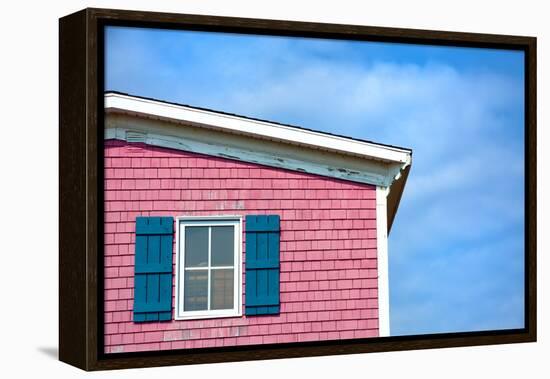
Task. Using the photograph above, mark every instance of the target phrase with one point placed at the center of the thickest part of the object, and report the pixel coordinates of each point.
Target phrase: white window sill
(200, 316)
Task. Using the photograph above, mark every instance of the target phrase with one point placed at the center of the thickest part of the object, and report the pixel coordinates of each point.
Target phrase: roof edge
(115, 101)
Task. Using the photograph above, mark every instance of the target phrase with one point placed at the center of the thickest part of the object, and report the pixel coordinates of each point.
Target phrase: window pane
(196, 246)
(196, 290)
(221, 289)
(222, 246)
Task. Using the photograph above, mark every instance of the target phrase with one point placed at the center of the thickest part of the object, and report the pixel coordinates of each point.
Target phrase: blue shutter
(153, 269)
(262, 265)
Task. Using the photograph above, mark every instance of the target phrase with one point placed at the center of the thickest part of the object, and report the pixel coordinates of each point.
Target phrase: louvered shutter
(262, 264)
(153, 269)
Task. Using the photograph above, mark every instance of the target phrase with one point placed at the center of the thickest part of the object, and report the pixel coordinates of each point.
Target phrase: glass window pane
(196, 290)
(222, 246)
(221, 289)
(196, 246)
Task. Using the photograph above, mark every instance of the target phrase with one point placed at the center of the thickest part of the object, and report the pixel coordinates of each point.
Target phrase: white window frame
(223, 220)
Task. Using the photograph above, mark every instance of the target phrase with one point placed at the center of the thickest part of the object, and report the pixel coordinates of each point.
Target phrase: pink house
(223, 230)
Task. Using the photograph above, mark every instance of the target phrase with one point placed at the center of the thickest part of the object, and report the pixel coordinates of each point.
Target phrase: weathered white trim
(239, 147)
(382, 262)
(215, 220)
(254, 128)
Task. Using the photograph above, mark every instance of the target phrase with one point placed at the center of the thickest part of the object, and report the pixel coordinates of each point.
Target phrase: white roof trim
(256, 128)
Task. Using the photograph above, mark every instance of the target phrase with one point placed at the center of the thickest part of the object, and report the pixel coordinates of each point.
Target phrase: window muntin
(208, 267)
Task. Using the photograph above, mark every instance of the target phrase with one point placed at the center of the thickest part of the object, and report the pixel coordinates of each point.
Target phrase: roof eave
(260, 129)
(395, 194)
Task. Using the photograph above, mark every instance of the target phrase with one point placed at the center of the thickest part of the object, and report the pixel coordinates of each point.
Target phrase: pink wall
(328, 247)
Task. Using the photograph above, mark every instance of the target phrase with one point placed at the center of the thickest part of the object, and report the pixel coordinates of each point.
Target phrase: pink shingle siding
(328, 247)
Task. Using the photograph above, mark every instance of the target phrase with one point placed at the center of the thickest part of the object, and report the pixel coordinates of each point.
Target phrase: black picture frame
(81, 88)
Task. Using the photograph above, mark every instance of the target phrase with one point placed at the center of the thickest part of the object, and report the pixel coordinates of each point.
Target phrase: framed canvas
(228, 187)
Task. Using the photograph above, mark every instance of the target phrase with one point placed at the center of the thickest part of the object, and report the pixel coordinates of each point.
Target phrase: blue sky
(456, 246)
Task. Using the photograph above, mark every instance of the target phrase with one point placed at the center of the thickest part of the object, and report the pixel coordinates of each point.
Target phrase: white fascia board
(382, 262)
(256, 128)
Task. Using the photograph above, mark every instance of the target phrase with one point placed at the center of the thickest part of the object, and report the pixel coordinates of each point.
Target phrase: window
(208, 267)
